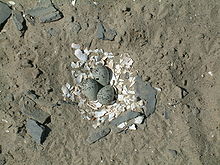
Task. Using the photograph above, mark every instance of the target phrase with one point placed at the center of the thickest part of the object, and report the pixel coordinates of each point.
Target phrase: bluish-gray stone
(146, 92)
(98, 135)
(5, 13)
(18, 20)
(50, 17)
(45, 12)
(124, 117)
(100, 31)
(110, 34)
(36, 131)
(28, 108)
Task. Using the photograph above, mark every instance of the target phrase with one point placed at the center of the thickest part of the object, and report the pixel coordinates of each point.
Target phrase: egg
(102, 75)
(106, 95)
(90, 88)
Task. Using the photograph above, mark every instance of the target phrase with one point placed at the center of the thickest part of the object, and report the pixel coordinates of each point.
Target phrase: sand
(174, 44)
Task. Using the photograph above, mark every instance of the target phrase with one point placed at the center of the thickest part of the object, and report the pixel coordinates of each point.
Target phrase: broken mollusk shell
(106, 95)
(102, 74)
(90, 88)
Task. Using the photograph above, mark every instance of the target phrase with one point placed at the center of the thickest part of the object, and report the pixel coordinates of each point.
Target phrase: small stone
(5, 13)
(18, 20)
(106, 95)
(110, 34)
(75, 27)
(10, 97)
(26, 63)
(126, 116)
(53, 31)
(98, 135)
(147, 93)
(45, 12)
(28, 107)
(40, 11)
(36, 131)
(173, 152)
(100, 31)
(36, 73)
(51, 17)
(2, 160)
(184, 93)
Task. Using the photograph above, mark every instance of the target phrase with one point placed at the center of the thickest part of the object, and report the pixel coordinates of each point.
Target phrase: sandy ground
(173, 43)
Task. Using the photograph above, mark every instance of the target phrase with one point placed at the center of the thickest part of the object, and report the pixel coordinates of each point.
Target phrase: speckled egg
(90, 88)
(102, 75)
(106, 95)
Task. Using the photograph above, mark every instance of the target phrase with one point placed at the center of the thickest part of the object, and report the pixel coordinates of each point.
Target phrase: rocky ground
(175, 46)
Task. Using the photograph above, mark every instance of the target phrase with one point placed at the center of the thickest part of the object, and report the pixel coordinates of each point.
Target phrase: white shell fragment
(66, 90)
(75, 46)
(122, 125)
(139, 120)
(80, 55)
(11, 3)
(98, 114)
(132, 127)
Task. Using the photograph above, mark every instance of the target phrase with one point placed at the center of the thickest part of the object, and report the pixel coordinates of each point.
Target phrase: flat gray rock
(5, 13)
(45, 12)
(147, 93)
(100, 31)
(124, 117)
(28, 108)
(98, 135)
(18, 20)
(105, 34)
(50, 17)
(41, 11)
(36, 131)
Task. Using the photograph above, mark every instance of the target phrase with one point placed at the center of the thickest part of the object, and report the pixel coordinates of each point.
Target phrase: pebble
(100, 31)
(75, 27)
(104, 34)
(50, 17)
(36, 131)
(2, 160)
(110, 34)
(147, 93)
(98, 135)
(173, 152)
(18, 20)
(5, 13)
(26, 63)
(126, 116)
(28, 108)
